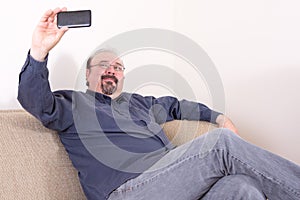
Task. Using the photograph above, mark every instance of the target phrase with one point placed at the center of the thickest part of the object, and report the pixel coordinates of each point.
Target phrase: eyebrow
(119, 64)
(106, 61)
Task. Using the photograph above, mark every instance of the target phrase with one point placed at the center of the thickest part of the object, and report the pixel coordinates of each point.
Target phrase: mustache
(111, 77)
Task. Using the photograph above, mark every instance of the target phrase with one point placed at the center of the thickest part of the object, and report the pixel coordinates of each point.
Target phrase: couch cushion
(34, 164)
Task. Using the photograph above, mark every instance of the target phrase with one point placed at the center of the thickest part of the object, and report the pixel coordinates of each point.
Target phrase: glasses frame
(118, 68)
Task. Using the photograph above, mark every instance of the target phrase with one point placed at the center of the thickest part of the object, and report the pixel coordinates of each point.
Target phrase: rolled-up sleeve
(171, 108)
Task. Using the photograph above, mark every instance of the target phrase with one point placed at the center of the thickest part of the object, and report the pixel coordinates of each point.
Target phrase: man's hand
(225, 122)
(46, 34)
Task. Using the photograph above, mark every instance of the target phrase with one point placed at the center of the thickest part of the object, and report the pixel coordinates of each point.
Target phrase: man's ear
(87, 73)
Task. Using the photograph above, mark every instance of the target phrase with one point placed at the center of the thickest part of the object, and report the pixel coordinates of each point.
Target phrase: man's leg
(189, 171)
(235, 187)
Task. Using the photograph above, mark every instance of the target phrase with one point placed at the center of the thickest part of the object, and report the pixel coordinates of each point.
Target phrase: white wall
(253, 44)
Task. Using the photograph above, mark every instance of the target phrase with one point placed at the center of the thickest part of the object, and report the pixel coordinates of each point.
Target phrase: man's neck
(112, 96)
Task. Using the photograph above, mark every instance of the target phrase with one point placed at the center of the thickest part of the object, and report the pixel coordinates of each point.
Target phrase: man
(115, 142)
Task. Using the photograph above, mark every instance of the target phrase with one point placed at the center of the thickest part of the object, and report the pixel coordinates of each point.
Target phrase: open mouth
(109, 78)
(109, 84)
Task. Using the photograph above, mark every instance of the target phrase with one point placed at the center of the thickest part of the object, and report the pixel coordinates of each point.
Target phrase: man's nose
(110, 70)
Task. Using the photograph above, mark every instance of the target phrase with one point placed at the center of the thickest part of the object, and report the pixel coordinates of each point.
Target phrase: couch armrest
(182, 131)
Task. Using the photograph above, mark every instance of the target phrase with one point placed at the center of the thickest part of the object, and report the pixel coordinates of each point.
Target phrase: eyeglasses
(118, 68)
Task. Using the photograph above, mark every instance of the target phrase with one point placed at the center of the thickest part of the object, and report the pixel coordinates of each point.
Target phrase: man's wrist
(37, 54)
(220, 119)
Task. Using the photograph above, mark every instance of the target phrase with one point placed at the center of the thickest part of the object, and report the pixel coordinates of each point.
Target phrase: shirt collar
(107, 99)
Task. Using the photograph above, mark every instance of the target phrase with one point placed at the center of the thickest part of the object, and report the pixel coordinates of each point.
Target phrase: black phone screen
(74, 19)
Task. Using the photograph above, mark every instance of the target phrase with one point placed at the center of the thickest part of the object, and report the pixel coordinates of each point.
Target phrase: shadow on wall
(62, 75)
(10, 103)
(63, 72)
(266, 105)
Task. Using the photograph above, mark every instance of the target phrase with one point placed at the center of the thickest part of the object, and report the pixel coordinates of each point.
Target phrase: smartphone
(74, 19)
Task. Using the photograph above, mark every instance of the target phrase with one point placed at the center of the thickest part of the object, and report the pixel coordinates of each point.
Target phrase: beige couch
(35, 165)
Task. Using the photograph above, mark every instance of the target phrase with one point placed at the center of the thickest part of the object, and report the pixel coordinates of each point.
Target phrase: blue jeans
(217, 165)
(235, 187)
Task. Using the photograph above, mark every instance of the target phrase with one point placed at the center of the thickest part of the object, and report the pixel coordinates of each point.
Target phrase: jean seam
(290, 189)
(149, 180)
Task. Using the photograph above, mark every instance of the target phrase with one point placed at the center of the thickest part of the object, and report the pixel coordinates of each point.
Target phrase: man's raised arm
(34, 92)
(46, 35)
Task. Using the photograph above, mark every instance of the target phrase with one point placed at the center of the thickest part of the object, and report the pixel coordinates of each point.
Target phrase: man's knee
(223, 131)
(235, 187)
(225, 134)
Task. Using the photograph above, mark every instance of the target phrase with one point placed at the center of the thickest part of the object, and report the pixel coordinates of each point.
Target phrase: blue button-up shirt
(109, 141)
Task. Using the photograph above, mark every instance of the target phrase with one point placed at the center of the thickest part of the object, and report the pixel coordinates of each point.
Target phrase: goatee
(108, 87)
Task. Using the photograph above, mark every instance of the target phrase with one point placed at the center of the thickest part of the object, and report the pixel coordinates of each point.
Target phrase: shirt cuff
(214, 116)
(35, 65)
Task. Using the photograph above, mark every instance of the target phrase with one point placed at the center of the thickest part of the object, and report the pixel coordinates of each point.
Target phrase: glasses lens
(118, 68)
(104, 65)
(107, 65)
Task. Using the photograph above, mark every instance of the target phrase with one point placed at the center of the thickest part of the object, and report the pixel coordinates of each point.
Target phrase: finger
(55, 11)
(50, 19)
(54, 15)
(46, 16)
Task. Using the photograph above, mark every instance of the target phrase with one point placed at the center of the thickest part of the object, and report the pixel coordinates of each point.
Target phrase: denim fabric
(234, 187)
(190, 171)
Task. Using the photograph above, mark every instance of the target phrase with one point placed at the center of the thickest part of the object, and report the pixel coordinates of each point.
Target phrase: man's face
(104, 75)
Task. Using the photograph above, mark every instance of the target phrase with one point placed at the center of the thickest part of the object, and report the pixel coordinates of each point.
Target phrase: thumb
(61, 32)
